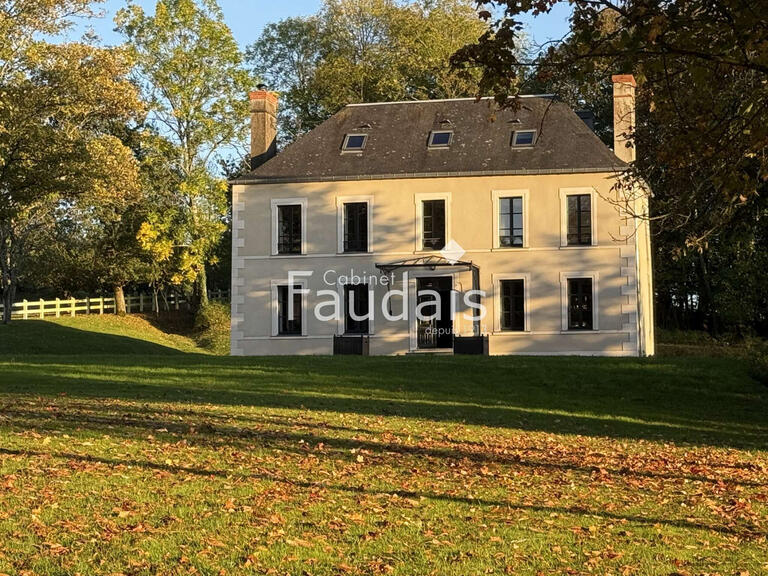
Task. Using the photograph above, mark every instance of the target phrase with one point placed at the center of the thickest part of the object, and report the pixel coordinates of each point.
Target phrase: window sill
(579, 247)
(510, 249)
(288, 254)
(289, 336)
(591, 331)
(360, 253)
(510, 332)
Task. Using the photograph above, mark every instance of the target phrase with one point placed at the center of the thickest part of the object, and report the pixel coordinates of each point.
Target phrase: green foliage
(364, 51)
(212, 326)
(758, 360)
(193, 77)
(701, 135)
(60, 107)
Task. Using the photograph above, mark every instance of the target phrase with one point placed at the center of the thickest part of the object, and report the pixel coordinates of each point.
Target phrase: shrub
(758, 360)
(212, 324)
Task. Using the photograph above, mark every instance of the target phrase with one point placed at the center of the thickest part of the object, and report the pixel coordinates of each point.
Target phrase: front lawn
(142, 459)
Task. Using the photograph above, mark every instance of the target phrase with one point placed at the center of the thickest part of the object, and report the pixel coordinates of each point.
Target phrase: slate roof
(397, 143)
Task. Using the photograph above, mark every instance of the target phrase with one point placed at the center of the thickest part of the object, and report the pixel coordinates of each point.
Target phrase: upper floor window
(289, 229)
(289, 314)
(580, 305)
(512, 305)
(523, 138)
(511, 222)
(355, 226)
(433, 224)
(354, 142)
(579, 220)
(289, 221)
(356, 309)
(440, 139)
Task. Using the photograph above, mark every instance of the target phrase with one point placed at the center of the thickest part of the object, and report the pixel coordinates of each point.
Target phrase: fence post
(176, 300)
(141, 302)
(42, 309)
(101, 305)
(58, 308)
(24, 311)
(73, 302)
(87, 305)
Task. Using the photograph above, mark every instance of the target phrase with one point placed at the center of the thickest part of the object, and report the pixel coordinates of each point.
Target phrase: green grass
(130, 452)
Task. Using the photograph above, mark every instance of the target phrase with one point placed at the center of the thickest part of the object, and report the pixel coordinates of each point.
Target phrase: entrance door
(436, 332)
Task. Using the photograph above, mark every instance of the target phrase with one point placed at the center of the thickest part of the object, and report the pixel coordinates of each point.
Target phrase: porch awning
(434, 262)
(430, 262)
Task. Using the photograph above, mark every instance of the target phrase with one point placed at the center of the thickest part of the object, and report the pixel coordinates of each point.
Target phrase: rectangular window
(579, 220)
(356, 227)
(580, 304)
(523, 138)
(511, 222)
(289, 229)
(288, 324)
(354, 142)
(433, 224)
(356, 306)
(513, 305)
(440, 139)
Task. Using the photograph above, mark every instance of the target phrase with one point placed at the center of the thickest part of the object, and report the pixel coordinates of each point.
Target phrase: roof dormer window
(440, 138)
(523, 138)
(354, 142)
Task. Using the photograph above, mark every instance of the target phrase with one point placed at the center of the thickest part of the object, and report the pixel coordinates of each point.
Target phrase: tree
(58, 106)
(363, 51)
(702, 130)
(191, 72)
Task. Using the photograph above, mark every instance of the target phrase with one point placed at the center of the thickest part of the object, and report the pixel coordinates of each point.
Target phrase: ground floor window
(288, 320)
(356, 309)
(580, 311)
(513, 305)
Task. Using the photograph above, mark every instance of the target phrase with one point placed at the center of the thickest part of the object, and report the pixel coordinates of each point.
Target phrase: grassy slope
(181, 463)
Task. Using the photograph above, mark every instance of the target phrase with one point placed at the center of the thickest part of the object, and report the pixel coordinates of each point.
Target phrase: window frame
(345, 149)
(419, 200)
(564, 296)
(343, 289)
(497, 295)
(430, 142)
(275, 204)
(340, 202)
(564, 194)
(275, 286)
(515, 145)
(496, 196)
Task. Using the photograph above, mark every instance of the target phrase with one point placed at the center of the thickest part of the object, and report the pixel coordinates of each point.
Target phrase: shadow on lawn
(298, 438)
(684, 400)
(745, 531)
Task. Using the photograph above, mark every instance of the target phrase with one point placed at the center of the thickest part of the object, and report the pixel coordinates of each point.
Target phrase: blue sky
(247, 18)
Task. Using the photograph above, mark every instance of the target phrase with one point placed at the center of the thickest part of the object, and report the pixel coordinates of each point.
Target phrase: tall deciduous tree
(57, 110)
(364, 51)
(191, 72)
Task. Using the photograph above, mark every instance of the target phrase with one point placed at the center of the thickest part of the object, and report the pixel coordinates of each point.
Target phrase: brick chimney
(263, 126)
(624, 117)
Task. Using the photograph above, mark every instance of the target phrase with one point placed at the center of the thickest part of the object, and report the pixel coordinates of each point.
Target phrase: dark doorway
(436, 333)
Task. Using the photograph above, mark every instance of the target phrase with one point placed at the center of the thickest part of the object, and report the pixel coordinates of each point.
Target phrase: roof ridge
(428, 101)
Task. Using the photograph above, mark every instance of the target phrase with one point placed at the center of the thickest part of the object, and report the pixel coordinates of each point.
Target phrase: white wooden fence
(137, 303)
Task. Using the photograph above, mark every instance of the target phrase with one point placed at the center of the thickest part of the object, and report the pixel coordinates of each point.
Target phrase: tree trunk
(201, 290)
(120, 308)
(155, 301)
(7, 287)
(706, 301)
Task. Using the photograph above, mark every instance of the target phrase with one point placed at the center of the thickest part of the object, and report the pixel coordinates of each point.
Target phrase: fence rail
(134, 304)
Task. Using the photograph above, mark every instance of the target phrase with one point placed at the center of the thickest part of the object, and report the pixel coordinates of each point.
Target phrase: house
(442, 226)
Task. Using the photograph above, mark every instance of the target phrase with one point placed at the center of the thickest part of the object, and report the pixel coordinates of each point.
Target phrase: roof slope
(398, 134)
